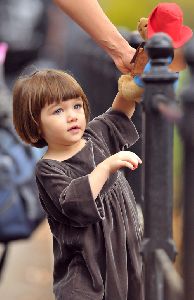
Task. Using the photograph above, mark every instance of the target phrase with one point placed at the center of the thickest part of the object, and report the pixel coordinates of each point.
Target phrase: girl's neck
(63, 153)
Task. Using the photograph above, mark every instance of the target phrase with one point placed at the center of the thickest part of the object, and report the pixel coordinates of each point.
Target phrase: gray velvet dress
(95, 243)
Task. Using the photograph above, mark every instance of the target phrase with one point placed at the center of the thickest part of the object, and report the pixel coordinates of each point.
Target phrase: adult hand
(123, 59)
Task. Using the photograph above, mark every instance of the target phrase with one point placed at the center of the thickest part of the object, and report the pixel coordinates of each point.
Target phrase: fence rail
(169, 283)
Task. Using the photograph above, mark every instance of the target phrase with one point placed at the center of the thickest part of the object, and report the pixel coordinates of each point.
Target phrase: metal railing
(169, 284)
(162, 282)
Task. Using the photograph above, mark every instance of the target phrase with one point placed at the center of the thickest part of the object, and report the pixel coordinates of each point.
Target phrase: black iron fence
(161, 112)
(155, 122)
(158, 140)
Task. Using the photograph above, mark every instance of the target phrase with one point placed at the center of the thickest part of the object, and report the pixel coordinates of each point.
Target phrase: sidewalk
(28, 270)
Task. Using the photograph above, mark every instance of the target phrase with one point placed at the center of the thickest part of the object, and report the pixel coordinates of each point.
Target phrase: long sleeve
(72, 198)
(114, 129)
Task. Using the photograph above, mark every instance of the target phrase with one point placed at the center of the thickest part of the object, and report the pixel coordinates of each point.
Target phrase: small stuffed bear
(126, 85)
(142, 28)
(167, 18)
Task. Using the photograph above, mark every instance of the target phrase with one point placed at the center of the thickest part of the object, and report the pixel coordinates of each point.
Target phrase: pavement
(28, 271)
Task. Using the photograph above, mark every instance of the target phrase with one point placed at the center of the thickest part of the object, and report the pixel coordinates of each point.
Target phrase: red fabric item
(168, 18)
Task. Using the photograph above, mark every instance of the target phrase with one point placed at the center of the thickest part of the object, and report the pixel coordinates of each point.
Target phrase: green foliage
(127, 13)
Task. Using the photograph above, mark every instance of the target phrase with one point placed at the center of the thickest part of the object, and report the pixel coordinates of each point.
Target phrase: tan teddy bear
(167, 18)
(126, 85)
(142, 27)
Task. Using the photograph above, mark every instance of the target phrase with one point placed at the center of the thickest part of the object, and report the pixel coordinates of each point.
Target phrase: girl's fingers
(137, 160)
(134, 156)
(130, 157)
(128, 165)
(134, 161)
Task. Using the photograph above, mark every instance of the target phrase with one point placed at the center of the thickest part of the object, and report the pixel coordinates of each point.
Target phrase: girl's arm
(121, 104)
(100, 174)
(90, 16)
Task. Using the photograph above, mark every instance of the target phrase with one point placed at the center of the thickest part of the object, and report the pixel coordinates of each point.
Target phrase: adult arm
(90, 16)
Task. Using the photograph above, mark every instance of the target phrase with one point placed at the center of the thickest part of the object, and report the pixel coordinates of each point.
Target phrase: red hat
(168, 18)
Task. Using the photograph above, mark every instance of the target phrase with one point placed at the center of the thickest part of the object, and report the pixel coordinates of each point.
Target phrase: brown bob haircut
(32, 92)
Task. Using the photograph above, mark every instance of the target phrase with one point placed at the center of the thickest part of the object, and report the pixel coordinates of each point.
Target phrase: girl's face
(63, 124)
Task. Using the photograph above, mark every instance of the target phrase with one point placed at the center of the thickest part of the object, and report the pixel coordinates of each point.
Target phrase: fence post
(159, 93)
(187, 132)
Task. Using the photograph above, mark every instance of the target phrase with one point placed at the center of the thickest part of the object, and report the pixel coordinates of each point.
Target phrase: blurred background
(40, 35)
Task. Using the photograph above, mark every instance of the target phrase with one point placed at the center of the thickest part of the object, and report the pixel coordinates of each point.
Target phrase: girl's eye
(77, 106)
(58, 111)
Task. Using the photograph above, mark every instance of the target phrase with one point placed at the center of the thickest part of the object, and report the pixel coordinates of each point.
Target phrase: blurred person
(5, 95)
(23, 26)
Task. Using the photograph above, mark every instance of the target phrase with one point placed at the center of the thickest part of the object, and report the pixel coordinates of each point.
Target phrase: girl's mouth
(74, 128)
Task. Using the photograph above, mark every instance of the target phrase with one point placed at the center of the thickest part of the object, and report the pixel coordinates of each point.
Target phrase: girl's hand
(100, 174)
(121, 159)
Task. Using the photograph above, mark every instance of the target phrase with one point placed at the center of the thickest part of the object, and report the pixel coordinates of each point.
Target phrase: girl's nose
(71, 117)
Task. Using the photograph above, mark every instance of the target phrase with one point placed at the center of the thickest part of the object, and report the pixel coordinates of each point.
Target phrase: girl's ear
(40, 132)
(39, 127)
(34, 140)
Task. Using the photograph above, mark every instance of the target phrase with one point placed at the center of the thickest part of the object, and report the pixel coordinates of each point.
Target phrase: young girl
(90, 206)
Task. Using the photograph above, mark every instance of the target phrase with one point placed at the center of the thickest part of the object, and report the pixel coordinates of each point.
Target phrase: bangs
(55, 87)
